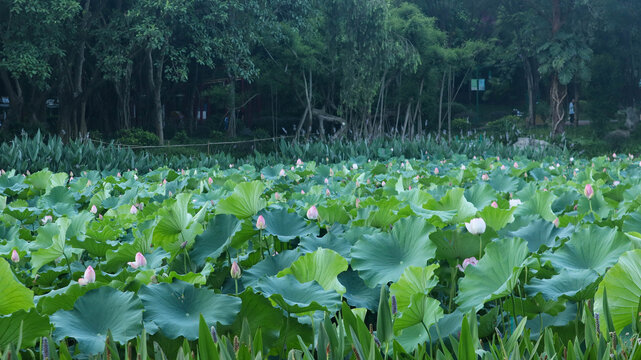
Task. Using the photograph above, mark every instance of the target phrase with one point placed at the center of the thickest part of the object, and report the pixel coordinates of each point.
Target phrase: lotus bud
(354, 166)
(485, 177)
(616, 183)
(463, 167)
(99, 216)
(299, 162)
(15, 257)
(495, 205)
(231, 166)
(515, 202)
(402, 165)
(614, 155)
(210, 181)
(164, 181)
(358, 203)
(94, 209)
(133, 210)
(436, 171)
(214, 334)
(139, 261)
(331, 172)
(260, 223)
(503, 167)
(383, 183)
(556, 222)
(277, 196)
(302, 192)
(327, 193)
(394, 305)
(588, 191)
(312, 213)
(47, 219)
(235, 271)
(326, 181)
(476, 226)
(183, 245)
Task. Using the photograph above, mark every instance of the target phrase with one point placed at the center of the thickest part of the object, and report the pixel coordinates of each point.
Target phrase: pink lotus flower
(47, 219)
(383, 183)
(462, 167)
(515, 202)
(331, 172)
(15, 257)
(94, 209)
(277, 196)
(299, 162)
(282, 172)
(469, 261)
(556, 222)
(327, 193)
(614, 155)
(134, 210)
(354, 166)
(476, 226)
(210, 181)
(260, 223)
(436, 171)
(358, 203)
(588, 191)
(235, 271)
(516, 165)
(616, 183)
(312, 213)
(100, 216)
(326, 181)
(302, 192)
(503, 167)
(88, 278)
(485, 177)
(262, 176)
(140, 261)
(495, 205)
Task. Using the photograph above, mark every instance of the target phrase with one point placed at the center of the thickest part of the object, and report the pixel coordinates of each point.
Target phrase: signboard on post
(477, 85)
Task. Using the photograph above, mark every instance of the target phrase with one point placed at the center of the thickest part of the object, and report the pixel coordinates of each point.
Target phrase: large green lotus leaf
(295, 297)
(565, 199)
(40, 179)
(51, 241)
(623, 283)
(632, 223)
(534, 306)
(481, 195)
(60, 200)
(260, 313)
(591, 247)
(503, 183)
(322, 266)
(12, 185)
(176, 308)
(63, 298)
(331, 241)
(454, 200)
(334, 213)
(495, 275)
(245, 201)
(449, 324)
(383, 257)
(215, 239)
(455, 244)
(415, 280)
(94, 314)
(177, 225)
(547, 321)
(497, 218)
(539, 233)
(422, 309)
(270, 266)
(33, 325)
(597, 205)
(539, 204)
(15, 296)
(286, 226)
(570, 283)
(358, 294)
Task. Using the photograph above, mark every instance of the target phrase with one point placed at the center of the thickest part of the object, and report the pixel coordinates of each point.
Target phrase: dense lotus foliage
(282, 247)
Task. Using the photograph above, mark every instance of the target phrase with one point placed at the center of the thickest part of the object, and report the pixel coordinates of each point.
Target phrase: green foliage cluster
(36, 153)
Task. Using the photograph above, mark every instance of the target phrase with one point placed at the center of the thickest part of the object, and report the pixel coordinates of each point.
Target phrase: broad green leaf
(623, 284)
(34, 326)
(176, 226)
(415, 280)
(176, 308)
(383, 257)
(60, 200)
(215, 239)
(497, 218)
(537, 232)
(494, 276)
(15, 296)
(454, 200)
(296, 297)
(539, 204)
(322, 265)
(422, 310)
(246, 200)
(286, 226)
(51, 243)
(591, 247)
(94, 314)
(570, 283)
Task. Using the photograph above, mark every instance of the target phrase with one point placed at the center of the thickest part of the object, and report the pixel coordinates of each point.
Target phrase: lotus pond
(282, 248)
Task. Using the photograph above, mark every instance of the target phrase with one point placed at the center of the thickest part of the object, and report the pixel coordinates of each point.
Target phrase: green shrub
(460, 124)
(137, 136)
(507, 128)
(181, 138)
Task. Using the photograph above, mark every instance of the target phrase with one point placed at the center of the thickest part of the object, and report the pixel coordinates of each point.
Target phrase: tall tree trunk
(231, 130)
(558, 93)
(529, 76)
(123, 91)
(155, 84)
(577, 108)
(450, 86)
(440, 107)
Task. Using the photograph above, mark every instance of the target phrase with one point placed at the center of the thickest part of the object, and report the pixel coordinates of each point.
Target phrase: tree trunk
(558, 93)
(155, 84)
(450, 86)
(440, 107)
(231, 130)
(16, 98)
(577, 108)
(529, 76)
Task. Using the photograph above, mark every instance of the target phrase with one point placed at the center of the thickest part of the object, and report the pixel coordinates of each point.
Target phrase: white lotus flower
(476, 226)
